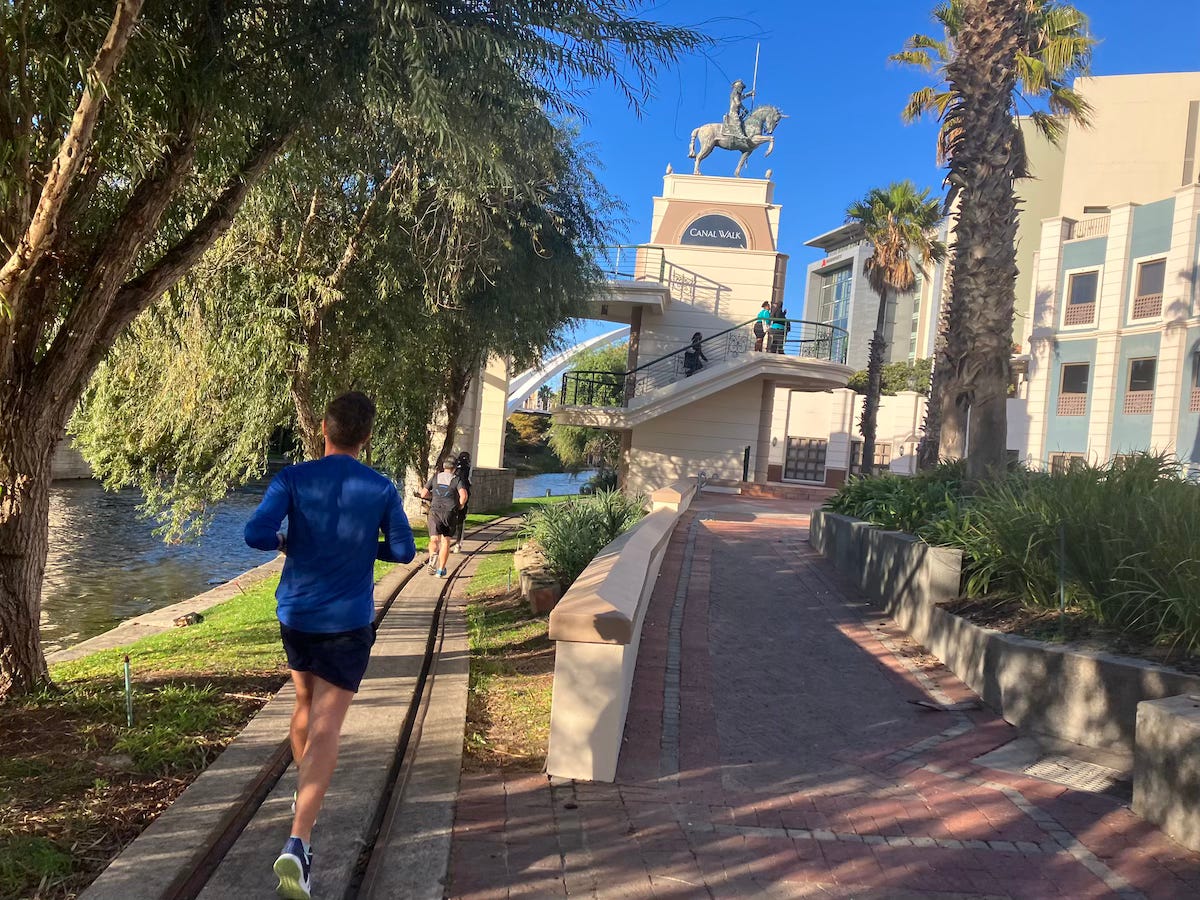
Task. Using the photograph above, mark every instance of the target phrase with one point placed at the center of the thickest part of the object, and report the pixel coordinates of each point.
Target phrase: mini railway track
(242, 811)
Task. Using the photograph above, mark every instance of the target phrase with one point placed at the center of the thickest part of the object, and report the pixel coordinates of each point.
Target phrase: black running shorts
(339, 657)
(445, 524)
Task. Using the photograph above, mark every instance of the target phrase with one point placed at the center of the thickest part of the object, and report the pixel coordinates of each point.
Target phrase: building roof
(850, 233)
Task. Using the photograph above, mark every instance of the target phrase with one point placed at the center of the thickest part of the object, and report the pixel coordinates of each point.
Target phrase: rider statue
(735, 119)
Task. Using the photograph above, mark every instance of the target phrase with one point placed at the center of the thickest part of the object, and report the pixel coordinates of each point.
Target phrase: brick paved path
(771, 751)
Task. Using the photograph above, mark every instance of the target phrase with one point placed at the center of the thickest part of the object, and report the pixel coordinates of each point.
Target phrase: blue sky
(825, 64)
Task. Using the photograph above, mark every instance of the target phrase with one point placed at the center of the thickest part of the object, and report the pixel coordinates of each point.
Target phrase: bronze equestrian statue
(741, 131)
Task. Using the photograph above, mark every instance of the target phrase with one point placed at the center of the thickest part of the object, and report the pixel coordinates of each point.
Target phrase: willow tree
(898, 222)
(299, 302)
(133, 136)
(1025, 75)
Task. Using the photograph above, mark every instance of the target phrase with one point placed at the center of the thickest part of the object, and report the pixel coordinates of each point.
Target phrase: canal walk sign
(715, 231)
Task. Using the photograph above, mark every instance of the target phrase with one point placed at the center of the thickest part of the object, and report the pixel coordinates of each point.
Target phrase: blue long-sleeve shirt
(335, 508)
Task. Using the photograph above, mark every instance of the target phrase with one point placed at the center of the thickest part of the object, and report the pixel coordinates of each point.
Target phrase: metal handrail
(813, 340)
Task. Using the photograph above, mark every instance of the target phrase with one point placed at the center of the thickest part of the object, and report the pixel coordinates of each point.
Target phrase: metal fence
(792, 337)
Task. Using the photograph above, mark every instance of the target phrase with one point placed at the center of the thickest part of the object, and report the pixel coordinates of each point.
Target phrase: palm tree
(545, 394)
(1028, 73)
(898, 221)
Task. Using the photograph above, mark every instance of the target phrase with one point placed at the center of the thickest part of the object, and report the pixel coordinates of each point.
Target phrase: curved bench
(597, 628)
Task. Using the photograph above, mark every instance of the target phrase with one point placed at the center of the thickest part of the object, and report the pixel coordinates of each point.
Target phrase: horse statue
(760, 129)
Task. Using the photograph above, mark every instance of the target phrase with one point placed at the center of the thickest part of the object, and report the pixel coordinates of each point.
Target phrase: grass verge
(512, 672)
(77, 784)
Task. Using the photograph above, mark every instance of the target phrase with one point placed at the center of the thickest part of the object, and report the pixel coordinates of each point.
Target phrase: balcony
(1138, 403)
(812, 340)
(1088, 228)
(1147, 307)
(1072, 404)
(806, 354)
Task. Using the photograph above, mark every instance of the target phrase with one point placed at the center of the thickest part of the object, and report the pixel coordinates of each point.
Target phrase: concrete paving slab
(412, 860)
(360, 784)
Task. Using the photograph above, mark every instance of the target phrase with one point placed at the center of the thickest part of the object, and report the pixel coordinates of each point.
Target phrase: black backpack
(443, 497)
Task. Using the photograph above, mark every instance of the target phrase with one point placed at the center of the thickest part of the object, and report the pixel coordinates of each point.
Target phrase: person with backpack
(761, 321)
(446, 496)
(694, 358)
(462, 471)
(778, 327)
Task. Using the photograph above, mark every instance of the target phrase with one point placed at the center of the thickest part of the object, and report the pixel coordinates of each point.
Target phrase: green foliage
(604, 480)
(528, 429)
(1055, 49)
(898, 503)
(27, 861)
(906, 375)
(578, 446)
(1130, 532)
(570, 534)
(898, 221)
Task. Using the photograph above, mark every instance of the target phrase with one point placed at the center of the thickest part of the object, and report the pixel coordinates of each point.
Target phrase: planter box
(1075, 695)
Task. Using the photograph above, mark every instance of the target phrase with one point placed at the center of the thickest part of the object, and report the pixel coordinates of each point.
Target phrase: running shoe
(441, 573)
(294, 871)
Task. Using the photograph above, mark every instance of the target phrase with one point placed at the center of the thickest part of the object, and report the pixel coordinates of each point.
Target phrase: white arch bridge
(526, 384)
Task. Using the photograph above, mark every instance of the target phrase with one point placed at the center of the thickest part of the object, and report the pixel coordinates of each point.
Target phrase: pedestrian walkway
(772, 750)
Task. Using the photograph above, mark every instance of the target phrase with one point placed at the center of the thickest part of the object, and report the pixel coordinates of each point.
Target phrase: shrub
(1124, 538)
(570, 534)
(899, 503)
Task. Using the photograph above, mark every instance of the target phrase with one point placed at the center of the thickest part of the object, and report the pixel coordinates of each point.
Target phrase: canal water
(107, 565)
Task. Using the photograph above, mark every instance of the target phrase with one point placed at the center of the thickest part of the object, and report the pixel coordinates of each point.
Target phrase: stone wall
(67, 463)
(1081, 696)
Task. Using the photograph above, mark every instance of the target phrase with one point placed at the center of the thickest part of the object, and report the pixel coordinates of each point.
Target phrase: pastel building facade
(711, 262)
(1114, 364)
(1114, 354)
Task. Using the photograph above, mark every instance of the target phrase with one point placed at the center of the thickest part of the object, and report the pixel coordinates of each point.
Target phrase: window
(1096, 210)
(1082, 289)
(883, 456)
(1141, 374)
(1139, 388)
(1072, 392)
(1194, 404)
(835, 297)
(1148, 294)
(805, 459)
(1061, 463)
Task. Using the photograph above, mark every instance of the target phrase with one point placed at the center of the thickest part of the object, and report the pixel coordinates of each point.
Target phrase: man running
(447, 498)
(335, 509)
(462, 470)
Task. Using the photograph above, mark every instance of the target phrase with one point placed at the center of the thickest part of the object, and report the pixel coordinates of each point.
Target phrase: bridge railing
(793, 337)
(633, 262)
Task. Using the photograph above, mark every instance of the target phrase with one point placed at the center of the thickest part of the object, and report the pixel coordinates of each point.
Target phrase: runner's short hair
(449, 464)
(348, 419)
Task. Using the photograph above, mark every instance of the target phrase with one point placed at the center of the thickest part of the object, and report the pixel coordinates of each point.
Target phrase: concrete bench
(597, 628)
(1166, 766)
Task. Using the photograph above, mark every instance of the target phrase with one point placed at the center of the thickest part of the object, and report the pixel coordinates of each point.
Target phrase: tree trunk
(945, 417)
(26, 446)
(986, 161)
(456, 398)
(870, 414)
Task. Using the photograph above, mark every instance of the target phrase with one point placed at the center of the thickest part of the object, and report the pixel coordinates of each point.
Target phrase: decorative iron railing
(795, 338)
